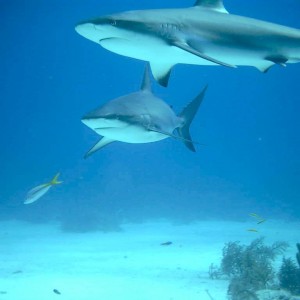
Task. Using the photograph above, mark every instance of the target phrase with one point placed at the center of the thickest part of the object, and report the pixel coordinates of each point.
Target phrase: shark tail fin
(188, 114)
(54, 181)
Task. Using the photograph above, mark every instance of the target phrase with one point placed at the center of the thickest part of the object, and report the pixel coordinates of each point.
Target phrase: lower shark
(141, 117)
(205, 34)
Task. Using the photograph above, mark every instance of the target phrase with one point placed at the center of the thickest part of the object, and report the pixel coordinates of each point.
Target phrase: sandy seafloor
(129, 264)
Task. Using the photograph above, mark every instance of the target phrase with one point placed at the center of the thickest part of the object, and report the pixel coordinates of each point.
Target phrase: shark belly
(147, 48)
(131, 134)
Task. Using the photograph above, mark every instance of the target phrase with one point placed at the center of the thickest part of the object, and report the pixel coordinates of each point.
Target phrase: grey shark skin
(205, 34)
(141, 117)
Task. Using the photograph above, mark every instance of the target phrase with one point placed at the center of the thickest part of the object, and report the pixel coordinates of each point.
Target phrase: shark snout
(95, 123)
(87, 30)
(88, 122)
(91, 120)
(102, 122)
(96, 30)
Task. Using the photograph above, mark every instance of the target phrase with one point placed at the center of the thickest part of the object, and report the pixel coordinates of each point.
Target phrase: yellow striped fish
(40, 190)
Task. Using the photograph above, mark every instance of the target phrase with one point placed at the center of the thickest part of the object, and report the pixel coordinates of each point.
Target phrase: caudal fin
(188, 114)
(54, 180)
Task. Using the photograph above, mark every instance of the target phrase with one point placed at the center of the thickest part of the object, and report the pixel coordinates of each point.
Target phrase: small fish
(56, 292)
(166, 244)
(37, 192)
(259, 218)
(252, 230)
(253, 215)
(261, 221)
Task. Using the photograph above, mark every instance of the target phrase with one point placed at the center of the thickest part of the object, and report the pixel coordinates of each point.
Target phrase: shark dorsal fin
(146, 83)
(216, 5)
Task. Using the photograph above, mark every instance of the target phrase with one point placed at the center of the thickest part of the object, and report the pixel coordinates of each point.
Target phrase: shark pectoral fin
(161, 72)
(216, 5)
(186, 47)
(99, 145)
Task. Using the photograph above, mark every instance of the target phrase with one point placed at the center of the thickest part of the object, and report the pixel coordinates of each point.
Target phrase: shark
(204, 34)
(141, 117)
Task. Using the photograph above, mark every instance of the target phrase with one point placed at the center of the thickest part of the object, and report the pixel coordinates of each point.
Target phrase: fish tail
(188, 114)
(54, 180)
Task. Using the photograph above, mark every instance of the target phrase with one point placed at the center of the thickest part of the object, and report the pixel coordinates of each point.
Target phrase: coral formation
(275, 295)
(250, 268)
(289, 274)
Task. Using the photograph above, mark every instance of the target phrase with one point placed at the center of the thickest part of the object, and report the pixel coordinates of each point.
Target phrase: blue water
(50, 77)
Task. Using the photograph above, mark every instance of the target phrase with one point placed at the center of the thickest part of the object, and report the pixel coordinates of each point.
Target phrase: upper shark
(141, 117)
(205, 34)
